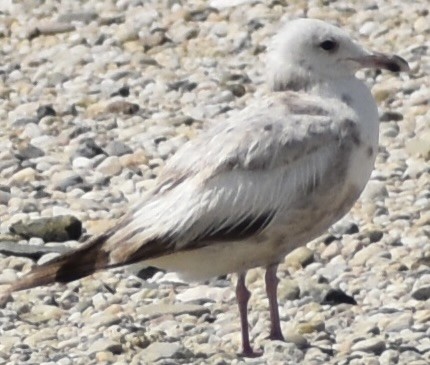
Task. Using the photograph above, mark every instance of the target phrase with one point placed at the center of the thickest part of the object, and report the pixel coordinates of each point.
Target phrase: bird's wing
(233, 180)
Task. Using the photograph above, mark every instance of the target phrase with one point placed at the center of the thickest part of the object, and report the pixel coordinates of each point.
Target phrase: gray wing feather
(233, 180)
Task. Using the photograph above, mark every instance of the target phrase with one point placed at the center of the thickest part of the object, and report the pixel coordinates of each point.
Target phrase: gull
(249, 190)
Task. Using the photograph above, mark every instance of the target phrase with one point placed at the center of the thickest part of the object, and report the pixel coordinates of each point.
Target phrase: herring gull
(249, 190)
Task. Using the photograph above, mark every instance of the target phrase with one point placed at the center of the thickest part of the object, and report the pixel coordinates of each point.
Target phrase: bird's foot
(249, 352)
(276, 336)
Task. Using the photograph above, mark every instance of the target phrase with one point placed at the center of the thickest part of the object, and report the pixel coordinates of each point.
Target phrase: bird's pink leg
(271, 290)
(243, 295)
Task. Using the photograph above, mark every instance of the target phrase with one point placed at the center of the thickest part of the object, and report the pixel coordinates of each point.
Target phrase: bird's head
(306, 51)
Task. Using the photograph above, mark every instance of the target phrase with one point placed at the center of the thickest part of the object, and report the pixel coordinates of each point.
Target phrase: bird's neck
(354, 93)
(349, 89)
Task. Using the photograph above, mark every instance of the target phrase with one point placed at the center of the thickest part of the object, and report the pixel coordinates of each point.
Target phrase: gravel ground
(96, 95)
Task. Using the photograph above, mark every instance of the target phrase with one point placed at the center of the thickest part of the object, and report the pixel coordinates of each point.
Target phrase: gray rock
(362, 256)
(105, 344)
(63, 180)
(28, 152)
(21, 122)
(88, 148)
(419, 145)
(344, 227)
(57, 229)
(117, 148)
(293, 336)
(42, 313)
(110, 166)
(154, 310)
(31, 251)
(83, 17)
(300, 257)
(288, 290)
(372, 345)
(4, 197)
(390, 115)
(160, 350)
(122, 107)
(389, 357)
(422, 293)
(50, 29)
(45, 111)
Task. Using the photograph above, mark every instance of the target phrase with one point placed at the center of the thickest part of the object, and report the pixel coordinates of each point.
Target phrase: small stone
(105, 357)
(362, 256)
(41, 335)
(8, 342)
(291, 335)
(375, 190)
(134, 159)
(337, 296)
(372, 345)
(83, 17)
(422, 293)
(419, 145)
(160, 350)
(89, 149)
(375, 236)
(21, 122)
(64, 180)
(203, 294)
(42, 313)
(4, 197)
(237, 90)
(288, 290)
(344, 227)
(390, 115)
(82, 163)
(49, 29)
(300, 257)
(389, 357)
(399, 323)
(123, 91)
(117, 148)
(155, 310)
(57, 229)
(183, 85)
(30, 251)
(122, 107)
(156, 37)
(105, 345)
(45, 110)
(28, 152)
(23, 176)
(110, 166)
(309, 327)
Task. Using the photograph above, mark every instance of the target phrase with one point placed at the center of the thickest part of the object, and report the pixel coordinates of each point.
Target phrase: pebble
(105, 345)
(64, 180)
(300, 257)
(372, 345)
(159, 350)
(111, 166)
(421, 293)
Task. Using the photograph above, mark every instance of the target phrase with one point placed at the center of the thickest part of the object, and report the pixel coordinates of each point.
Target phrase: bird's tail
(70, 266)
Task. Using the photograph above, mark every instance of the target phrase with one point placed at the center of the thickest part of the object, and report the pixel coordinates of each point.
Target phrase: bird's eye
(329, 45)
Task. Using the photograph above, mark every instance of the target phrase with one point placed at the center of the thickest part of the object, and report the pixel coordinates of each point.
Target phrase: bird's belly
(219, 258)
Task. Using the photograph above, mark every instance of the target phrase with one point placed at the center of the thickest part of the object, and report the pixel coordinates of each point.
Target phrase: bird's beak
(391, 63)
